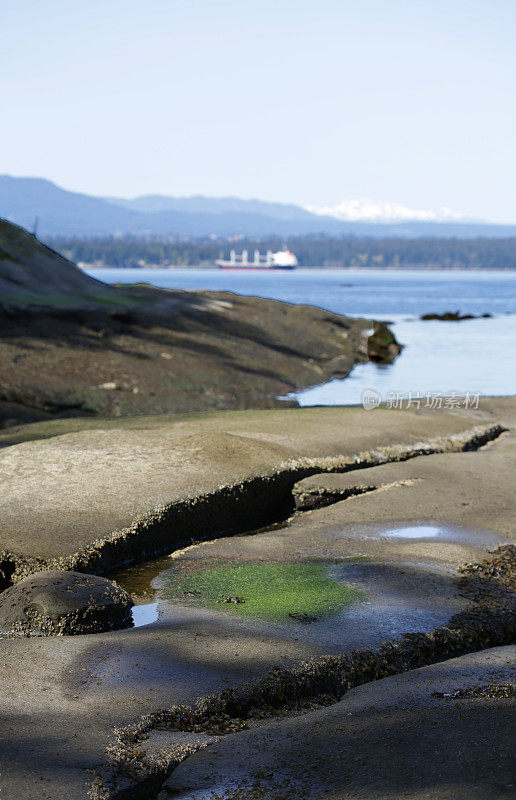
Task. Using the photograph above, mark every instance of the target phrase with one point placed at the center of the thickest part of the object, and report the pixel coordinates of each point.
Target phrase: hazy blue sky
(310, 101)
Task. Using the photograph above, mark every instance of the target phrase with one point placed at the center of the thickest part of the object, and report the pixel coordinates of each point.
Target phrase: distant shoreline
(311, 253)
(210, 267)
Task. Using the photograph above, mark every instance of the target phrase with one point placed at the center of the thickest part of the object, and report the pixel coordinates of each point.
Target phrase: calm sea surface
(471, 356)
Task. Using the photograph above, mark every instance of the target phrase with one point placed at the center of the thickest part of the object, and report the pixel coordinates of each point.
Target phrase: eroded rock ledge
(243, 506)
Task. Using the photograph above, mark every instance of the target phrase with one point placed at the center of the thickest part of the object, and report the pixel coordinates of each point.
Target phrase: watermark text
(448, 401)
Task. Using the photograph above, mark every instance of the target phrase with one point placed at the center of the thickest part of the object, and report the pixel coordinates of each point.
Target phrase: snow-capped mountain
(60, 212)
(369, 211)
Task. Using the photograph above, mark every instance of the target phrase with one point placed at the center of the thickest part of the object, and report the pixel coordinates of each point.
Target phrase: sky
(305, 101)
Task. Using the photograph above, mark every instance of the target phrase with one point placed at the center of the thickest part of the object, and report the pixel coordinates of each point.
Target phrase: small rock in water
(453, 316)
(236, 600)
(305, 618)
(382, 347)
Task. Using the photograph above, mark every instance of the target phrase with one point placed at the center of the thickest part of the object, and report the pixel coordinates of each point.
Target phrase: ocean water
(475, 357)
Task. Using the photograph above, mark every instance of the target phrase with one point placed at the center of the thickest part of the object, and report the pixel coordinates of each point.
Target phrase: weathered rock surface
(401, 737)
(62, 697)
(467, 491)
(90, 478)
(61, 603)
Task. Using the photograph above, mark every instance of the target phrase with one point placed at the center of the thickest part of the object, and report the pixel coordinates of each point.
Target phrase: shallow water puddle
(276, 592)
(414, 532)
(144, 614)
(142, 582)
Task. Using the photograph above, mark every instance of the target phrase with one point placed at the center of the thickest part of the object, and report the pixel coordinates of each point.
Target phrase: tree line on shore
(372, 253)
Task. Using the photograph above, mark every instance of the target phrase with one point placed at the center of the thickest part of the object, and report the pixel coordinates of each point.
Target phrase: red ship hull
(256, 269)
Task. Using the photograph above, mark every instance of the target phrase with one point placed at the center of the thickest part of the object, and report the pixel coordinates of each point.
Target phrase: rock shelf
(491, 622)
(41, 537)
(132, 704)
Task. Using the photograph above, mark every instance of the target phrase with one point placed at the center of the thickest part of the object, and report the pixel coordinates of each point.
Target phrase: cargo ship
(283, 259)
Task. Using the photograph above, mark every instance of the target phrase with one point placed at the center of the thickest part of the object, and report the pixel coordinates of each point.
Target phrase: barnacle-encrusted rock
(62, 603)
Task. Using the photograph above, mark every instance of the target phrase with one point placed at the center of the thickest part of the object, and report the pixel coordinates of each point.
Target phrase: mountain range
(36, 202)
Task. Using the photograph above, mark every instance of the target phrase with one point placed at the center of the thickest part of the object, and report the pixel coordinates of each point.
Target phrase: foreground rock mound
(60, 603)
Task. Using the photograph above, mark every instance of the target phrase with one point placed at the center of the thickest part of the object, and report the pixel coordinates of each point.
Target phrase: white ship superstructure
(283, 259)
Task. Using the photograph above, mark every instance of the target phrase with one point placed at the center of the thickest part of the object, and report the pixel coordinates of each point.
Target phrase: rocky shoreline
(71, 346)
(171, 352)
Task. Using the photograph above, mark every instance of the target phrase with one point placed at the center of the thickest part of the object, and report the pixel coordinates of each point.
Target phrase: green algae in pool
(142, 582)
(268, 591)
